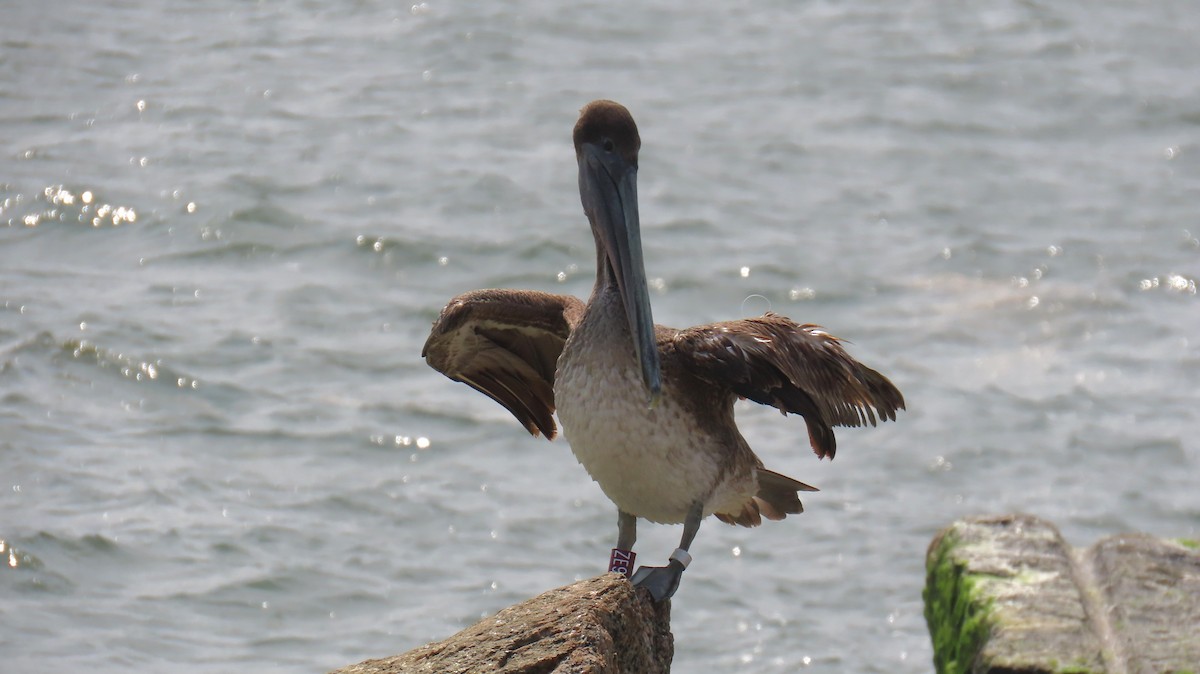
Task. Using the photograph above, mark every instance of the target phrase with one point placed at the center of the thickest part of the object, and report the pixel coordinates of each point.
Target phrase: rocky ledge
(597, 626)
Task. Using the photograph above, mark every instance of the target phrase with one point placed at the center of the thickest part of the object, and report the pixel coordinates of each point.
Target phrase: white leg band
(680, 555)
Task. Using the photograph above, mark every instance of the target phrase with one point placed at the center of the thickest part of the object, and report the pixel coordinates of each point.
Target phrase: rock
(1001, 593)
(597, 626)
(1006, 594)
(1152, 589)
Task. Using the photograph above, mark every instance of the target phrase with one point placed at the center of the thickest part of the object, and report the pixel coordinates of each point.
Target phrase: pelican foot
(662, 581)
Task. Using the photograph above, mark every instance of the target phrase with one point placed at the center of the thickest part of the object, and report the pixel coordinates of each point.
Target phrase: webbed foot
(662, 581)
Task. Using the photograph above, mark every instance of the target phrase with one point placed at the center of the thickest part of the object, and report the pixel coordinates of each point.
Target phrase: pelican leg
(663, 581)
(622, 557)
(626, 530)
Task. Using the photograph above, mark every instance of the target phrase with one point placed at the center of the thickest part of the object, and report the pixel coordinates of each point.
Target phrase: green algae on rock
(1000, 595)
(1006, 594)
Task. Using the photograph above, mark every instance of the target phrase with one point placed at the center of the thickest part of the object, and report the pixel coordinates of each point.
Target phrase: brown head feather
(609, 125)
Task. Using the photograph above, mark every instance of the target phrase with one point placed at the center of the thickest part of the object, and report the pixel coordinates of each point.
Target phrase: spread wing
(505, 344)
(796, 368)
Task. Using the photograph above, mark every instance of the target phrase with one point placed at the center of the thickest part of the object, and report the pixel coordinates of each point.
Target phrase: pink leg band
(621, 561)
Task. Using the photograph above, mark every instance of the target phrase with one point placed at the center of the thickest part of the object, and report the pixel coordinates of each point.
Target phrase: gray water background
(225, 228)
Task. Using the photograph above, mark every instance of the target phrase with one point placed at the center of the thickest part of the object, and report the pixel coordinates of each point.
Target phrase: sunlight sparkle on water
(66, 205)
(1172, 282)
(421, 442)
(1181, 284)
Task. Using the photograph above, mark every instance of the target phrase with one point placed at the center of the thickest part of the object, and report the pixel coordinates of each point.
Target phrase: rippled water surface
(225, 228)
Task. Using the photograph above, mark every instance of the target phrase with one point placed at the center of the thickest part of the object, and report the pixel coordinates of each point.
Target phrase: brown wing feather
(795, 368)
(505, 344)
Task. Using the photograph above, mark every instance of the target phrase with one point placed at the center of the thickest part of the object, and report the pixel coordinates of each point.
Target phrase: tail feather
(777, 497)
(768, 510)
(748, 517)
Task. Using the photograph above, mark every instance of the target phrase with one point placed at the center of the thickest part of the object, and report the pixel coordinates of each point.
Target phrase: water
(225, 229)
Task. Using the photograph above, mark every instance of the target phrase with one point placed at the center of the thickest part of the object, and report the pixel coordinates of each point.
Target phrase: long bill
(608, 188)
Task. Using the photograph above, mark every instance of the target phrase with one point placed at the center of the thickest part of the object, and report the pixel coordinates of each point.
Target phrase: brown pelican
(648, 410)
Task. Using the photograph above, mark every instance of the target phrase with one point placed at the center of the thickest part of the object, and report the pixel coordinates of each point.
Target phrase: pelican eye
(607, 144)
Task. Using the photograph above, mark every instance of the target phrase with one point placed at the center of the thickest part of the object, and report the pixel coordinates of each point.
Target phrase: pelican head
(606, 147)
